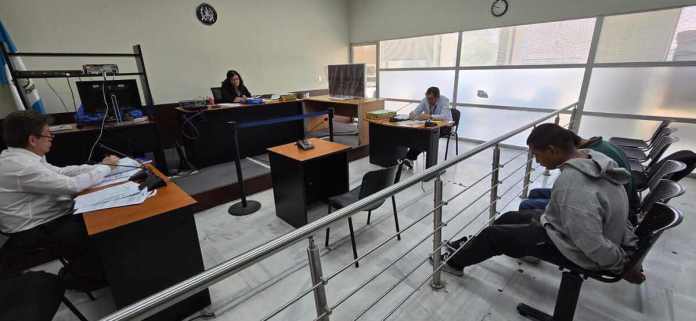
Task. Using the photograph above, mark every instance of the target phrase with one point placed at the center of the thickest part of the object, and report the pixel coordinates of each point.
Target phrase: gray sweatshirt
(587, 215)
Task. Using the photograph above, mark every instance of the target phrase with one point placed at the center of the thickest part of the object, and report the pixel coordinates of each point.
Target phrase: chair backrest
(685, 156)
(456, 115)
(660, 218)
(664, 170)
(659, 135)
(375, 181)
(664, 191)
(217, 93)
(660, 148)
(660, 129)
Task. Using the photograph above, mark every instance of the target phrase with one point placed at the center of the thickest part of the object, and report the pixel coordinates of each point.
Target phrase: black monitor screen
(123, 93)
(347, 80)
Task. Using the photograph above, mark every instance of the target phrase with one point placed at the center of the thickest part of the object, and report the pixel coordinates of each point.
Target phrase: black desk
(214, 143)
(71, 146)
(389, 139)
(302, 177)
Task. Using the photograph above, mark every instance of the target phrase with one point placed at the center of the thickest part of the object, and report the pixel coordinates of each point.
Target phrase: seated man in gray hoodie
(585, 223)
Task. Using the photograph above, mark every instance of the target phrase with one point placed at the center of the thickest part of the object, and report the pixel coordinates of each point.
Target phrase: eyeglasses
(51, 136)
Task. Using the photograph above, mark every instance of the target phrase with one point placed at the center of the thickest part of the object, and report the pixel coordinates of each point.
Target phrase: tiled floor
(489, 291)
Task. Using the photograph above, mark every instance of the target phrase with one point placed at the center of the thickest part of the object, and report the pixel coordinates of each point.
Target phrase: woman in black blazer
(233, 89)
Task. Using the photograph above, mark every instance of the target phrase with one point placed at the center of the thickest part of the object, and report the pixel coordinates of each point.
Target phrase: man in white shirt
(36, 197)
(433, 107)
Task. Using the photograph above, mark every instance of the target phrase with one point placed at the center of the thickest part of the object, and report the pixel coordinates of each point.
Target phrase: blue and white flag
(27, 87)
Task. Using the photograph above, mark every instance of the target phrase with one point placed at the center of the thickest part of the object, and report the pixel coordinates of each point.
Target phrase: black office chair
(641, 154)
(655, 153)
(372, 182)
(33, 296)
(664, 169)
(217, 93)
(13, 262)
(456, 115)
(639, 143)
(683, 156)
(662, 192)
(660, 218)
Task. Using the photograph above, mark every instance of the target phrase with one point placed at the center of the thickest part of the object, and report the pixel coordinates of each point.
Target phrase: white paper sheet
(135, 199)
(107, 195)
(229, 105)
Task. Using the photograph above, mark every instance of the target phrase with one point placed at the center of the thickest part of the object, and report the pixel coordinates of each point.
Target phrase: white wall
(372, 20)
(277, 45)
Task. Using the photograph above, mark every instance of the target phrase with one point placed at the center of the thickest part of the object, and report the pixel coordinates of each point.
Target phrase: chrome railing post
(317, 278)
(527, 174)
(493, 211)
(573, 117)
(437, 282)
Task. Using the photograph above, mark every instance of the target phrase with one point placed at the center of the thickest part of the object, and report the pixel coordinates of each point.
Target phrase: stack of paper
(127, 168)
(115, 196)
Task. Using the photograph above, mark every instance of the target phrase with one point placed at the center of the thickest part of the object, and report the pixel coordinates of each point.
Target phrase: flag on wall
(27, 87)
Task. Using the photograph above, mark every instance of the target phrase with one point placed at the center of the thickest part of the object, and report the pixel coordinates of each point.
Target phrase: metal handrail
(182, 290)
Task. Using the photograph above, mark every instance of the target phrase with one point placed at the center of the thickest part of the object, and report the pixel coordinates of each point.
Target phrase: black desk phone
(304, 144)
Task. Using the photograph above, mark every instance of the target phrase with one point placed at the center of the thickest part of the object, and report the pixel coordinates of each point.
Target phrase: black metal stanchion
(331, 131)
(245, 207)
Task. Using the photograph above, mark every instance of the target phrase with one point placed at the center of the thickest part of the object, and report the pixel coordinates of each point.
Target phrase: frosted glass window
(419, 52)
(635, 128)
(367, 54)
(684, 43)
(541, 88)
(657, 91)
(412, 84)
(663, 35)
(616, 127)
(542, 43)
(400, 107)
(486, 124)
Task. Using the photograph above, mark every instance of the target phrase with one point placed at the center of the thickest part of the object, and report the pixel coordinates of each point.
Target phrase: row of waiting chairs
(659, 178)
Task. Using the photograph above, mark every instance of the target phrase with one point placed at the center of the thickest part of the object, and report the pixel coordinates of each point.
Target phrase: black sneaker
(453, 246)
(447, 268)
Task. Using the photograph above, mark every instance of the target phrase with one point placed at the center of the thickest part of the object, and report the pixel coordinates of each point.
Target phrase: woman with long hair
(233, 89)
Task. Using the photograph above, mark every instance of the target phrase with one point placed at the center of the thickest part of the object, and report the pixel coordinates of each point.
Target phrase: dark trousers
(514, 234)
(65, 237)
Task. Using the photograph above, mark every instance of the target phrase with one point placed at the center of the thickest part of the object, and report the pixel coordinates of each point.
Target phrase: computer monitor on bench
(118, 95)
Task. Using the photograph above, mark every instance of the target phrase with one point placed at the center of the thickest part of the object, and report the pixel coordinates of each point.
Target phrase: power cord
(106, 114)
(72, 94)
(188, 122)
(57, 95)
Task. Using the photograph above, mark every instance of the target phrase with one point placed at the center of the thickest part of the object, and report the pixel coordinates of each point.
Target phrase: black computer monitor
(123, 94)
(347, 80)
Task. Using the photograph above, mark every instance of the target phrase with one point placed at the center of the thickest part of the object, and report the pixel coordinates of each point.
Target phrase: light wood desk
(351, 108)
(148, 247)
(301, 177)
(167, 199)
